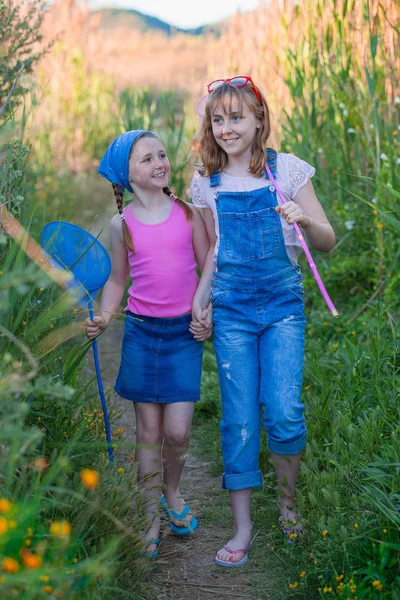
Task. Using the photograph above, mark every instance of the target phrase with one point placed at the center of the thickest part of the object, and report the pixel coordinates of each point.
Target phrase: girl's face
(149, 166)
(234, 129)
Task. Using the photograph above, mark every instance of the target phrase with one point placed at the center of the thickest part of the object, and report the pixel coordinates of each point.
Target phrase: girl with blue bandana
(160, 241)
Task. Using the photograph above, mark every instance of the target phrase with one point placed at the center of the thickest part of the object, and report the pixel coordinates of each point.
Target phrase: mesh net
(73, 248)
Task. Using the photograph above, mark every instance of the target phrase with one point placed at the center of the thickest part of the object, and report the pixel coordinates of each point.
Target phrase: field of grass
(69, 520)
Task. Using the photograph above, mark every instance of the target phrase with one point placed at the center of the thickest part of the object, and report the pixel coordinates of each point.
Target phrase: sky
(182, 13)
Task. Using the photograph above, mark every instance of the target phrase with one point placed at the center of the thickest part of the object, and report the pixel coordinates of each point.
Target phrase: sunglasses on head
(239, 81)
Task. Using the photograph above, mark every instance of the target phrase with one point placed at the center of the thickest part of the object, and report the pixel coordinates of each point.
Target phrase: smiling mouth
(159, 174)
(230, 140)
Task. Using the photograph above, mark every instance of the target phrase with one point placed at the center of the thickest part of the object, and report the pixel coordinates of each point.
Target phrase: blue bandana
(115, 163)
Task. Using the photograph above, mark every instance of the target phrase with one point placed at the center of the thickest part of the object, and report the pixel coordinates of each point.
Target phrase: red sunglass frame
(245, 77)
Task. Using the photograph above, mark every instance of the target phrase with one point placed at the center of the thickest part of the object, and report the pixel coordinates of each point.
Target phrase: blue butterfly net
(71, 247)
(77, 250)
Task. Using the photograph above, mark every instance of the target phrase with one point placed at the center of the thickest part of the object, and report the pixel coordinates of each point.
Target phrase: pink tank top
(163, 268)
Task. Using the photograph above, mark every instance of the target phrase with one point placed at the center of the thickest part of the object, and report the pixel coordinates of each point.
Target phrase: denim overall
(259, 322)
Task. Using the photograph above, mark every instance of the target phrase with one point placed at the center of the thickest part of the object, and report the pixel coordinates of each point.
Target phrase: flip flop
(179, 530)
(154, 554)
(229, 563)
(288, 528)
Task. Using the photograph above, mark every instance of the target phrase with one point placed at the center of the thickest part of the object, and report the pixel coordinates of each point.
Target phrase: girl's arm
(307, 211)
(200, 237)
(113, 291)
(201, 299)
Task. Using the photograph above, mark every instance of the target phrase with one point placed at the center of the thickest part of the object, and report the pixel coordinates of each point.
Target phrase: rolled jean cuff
(242, 481)
(290, 448)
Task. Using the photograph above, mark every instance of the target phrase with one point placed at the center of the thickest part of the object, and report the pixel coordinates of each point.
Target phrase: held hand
(95, 327)
(294, 214)
(201, 315)
(201, 327)
(199, 333)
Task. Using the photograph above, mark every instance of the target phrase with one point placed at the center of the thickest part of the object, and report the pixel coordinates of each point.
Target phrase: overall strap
(214, 178)
(271, 161)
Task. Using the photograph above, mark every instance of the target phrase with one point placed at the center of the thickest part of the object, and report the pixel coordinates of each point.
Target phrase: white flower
(383, 156)
(397, 100)
(320, 151)
(397, 161)
(341, 105)
(345, 113)
(374, 200)
(371, 126)
(351, 130)
(398, 127)
(389, 185)
(346, 207)
(349, 225)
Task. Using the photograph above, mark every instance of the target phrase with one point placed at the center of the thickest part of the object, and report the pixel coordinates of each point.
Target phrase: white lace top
(292, 174)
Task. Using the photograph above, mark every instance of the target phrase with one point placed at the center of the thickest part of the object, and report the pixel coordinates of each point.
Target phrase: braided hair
(119, 198)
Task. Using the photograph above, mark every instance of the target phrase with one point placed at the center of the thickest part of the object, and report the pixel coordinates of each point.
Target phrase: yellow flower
(51, 326)
(375, 212)
(10, 565)
(121, 470)
(315, 562)
(325, 323)
(31, 561)
(47, 588)
(3, 525)
(74, 310)
(325, 532)
(44, 578)
(380, 226)
(5, 505)
(377, 585)
(60, 528)
(293, 536)
(294, 585)
(303, 573)
(339, 577)
(327, 589)
(353, 332)
(133, 456)
(41, 289)
(356, 525)
(385, 531)
(90, 478)
(311, 554)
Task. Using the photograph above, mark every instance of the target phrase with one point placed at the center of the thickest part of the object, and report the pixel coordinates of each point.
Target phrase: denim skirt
(160, 360)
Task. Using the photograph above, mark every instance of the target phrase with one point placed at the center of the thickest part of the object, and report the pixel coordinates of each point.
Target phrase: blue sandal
(182, 529)
(154, 554)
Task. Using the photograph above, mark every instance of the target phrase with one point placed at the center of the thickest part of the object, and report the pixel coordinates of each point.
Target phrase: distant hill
(115, 17)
